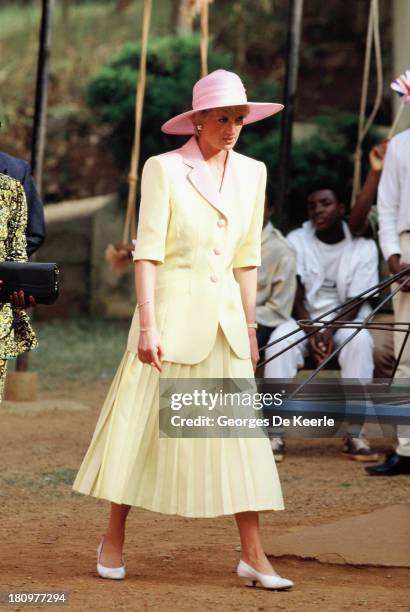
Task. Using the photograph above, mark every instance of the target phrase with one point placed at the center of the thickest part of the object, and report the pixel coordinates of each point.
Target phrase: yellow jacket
(198, 235)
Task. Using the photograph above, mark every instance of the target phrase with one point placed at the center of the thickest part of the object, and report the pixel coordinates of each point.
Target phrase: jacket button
(221, 222)
(217, 251)
(214, 278)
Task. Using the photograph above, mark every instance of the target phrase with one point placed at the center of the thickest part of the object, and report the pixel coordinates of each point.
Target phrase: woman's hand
(150, 348)
(254, 347)
(18, 299)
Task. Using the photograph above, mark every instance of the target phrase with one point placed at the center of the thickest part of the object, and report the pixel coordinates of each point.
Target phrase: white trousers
(355, 358)
(401, 307)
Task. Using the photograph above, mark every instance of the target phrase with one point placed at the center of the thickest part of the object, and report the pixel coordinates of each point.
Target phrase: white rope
(130, 218)
(373, 37)
(204, 37)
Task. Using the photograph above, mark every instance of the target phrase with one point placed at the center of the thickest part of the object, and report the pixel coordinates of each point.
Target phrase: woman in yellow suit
(196, 254)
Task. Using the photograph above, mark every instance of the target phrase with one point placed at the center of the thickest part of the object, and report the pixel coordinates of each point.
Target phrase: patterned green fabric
(16, 333)
(3, 372)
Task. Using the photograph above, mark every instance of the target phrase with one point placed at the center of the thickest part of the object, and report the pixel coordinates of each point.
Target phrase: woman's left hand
(18, 300)
(254, 347)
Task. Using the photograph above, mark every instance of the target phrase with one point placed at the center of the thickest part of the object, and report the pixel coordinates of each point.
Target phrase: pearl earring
(199, 128)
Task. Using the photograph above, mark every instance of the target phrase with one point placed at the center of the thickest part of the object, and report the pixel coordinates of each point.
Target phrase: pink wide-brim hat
(216, 90)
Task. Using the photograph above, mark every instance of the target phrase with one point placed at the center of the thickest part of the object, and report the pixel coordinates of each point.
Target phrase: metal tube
(396, 365)
(337, 350)
(344, 308)
(39, 126)
(40, 111)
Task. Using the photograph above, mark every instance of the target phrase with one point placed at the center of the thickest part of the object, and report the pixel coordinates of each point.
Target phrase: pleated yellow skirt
(128, 463)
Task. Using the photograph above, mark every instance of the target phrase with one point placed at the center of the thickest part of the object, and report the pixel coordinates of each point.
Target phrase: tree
(183, 14)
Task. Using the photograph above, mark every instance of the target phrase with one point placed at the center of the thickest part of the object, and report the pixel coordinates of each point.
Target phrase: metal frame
(401, 278)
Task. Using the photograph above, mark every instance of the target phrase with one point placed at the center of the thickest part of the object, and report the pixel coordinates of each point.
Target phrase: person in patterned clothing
(16, 333)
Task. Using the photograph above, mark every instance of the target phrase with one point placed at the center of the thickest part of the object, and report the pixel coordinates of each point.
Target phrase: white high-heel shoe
(114, 573)
(251, 577)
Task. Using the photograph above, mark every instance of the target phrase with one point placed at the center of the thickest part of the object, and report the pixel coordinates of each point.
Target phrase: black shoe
(394, 464)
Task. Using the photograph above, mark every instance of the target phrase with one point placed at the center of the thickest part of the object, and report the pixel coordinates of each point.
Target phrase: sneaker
(359, 449)
(278, 448)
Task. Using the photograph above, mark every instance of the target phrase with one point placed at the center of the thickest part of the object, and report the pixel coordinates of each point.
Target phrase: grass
(87, 349)
(43, 483)
(96, 31)
(82, 349)
(43, 479)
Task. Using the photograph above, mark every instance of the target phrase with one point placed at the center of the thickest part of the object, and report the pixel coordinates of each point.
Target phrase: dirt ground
(49, 534)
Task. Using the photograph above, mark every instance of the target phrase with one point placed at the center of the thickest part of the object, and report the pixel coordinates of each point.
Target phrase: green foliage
(87, 349)
(325, 157)
(172, 68)
(255, 32)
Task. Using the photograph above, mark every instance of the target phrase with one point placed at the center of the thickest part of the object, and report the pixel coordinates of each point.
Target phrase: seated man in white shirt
(275, 294)
(276, 279)
(332, 267)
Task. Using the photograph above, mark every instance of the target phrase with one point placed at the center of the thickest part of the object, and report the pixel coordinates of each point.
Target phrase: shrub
(325, 157)
(172, 67)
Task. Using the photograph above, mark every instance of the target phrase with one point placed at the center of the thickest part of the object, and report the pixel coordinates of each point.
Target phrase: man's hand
(254, 347)
(376, 156)
(321, 345)
(395, 266)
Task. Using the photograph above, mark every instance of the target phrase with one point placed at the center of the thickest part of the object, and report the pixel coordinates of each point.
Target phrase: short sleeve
(388, 203)
(16, 245)
(366, 273)
(153, 213)
(294, 239)
(36, 229)
(249, 252)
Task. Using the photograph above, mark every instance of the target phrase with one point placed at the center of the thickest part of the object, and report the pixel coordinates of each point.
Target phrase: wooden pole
(130, 225)
(293, 46)
(204, 37)
(40, 112)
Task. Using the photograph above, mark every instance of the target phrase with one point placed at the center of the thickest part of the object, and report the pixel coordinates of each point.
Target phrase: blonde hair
(200, 116)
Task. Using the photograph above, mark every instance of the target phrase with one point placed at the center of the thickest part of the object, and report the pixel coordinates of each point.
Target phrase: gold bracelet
(143, 303)
(252, 325)
(145, 329)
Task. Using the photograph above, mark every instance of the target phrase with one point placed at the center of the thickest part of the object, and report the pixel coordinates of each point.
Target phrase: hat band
(213, 101)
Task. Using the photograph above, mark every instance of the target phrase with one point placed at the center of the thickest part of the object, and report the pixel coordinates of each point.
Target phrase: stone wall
(78, 233)
(112, 295)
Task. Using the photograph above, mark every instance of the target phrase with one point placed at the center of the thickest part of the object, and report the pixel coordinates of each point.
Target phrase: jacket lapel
(200, 177)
